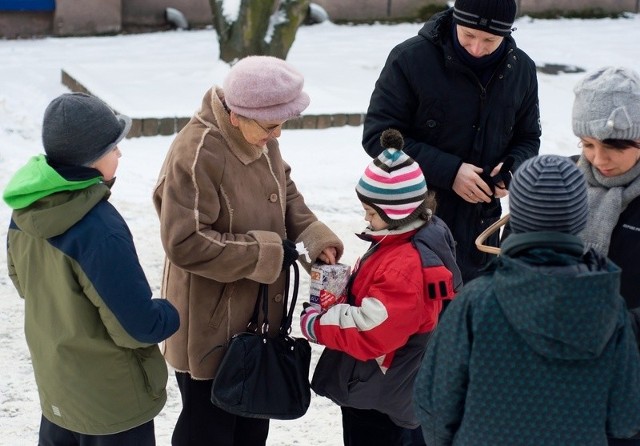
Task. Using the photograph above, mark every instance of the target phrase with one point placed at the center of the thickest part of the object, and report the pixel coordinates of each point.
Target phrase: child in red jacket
(375, 341)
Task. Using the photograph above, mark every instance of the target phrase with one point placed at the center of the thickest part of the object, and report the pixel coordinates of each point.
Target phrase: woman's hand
(328, 255)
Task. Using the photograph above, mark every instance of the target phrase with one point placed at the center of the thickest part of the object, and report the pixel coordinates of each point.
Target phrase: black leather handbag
(262, 376)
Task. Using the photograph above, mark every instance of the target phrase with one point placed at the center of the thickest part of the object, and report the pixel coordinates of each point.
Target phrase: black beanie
(492, 16)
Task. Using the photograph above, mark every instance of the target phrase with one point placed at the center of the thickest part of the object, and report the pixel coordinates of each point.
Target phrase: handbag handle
(287, 310)
(287, 316)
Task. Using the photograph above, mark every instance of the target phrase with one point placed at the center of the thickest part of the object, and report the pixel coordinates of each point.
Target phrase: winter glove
(307, 319)
(290, 254)
(504, 176)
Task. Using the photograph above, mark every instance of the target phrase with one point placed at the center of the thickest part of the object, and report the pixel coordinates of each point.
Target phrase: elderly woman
(606, 118)
(230, 219)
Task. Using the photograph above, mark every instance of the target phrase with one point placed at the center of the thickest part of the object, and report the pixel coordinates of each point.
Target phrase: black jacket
(623, 251)
(447, 117)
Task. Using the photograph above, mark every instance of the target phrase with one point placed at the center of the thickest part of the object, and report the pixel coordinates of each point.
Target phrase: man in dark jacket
(466, 99)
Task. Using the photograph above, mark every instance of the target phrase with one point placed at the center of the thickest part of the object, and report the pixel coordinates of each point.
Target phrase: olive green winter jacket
(91, 325)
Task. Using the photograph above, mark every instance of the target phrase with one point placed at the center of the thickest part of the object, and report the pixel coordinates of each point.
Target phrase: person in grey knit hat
(543, 314)
(90, 320)
(606, 119)
(547, 194)
(78, 129)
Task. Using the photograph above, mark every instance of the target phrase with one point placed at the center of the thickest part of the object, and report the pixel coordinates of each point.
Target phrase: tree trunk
(261, 27)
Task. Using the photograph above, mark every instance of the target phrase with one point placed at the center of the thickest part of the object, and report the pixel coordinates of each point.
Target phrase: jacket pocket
(345, 380)
(153, 369)
(220, 310)
(430, 121)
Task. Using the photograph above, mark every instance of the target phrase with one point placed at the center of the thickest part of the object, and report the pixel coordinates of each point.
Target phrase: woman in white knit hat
(606, 118)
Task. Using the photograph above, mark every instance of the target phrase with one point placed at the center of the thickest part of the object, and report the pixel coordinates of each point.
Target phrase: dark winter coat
(623, 251)
(447, 117)
(539, 351)
(91, 324)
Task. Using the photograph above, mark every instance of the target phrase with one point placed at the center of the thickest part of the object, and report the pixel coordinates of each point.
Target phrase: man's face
(477, 43)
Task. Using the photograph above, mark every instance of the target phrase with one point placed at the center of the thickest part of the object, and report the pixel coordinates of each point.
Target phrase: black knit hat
(548, 193)
(492, 16)
(78, 129)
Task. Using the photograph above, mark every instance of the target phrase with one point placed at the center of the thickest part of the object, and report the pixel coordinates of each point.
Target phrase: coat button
(278, 297)
(273, 198)
(431, 123)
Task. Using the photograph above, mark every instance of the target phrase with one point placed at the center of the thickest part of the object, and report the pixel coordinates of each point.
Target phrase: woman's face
(609, 161)
(257, 132)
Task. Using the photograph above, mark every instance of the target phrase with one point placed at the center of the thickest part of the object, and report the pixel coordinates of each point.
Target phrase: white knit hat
(607, 105)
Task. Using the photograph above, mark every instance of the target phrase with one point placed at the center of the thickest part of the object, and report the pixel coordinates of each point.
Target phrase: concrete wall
(536, 6)
(358, 10)
(22, 25)
(151, 12)
(89, 17)
(363, 10)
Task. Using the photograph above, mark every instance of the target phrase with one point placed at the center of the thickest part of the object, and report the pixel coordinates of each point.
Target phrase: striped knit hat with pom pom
(548, 193)
(393, 183)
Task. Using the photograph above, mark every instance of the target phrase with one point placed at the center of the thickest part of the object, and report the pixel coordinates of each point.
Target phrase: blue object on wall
(27, 5)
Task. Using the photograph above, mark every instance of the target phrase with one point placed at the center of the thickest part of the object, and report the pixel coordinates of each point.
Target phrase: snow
(231, 10)
(166, 74)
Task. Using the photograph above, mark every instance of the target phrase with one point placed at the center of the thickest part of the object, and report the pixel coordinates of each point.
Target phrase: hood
(37, 179)
(46, 204)
(567, 305)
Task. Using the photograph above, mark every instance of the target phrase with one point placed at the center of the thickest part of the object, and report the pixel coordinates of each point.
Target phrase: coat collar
(516, 244)
(213, 114)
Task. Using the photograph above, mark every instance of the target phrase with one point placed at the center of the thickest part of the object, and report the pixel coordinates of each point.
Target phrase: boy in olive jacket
(91, 324)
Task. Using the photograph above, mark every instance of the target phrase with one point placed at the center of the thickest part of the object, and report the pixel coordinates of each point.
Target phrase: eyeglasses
(269, 130)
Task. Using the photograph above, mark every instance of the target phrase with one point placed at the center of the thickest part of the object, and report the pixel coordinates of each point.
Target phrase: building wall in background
(29, 18)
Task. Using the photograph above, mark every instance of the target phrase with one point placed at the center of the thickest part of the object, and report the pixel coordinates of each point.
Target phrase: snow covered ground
(166, 74)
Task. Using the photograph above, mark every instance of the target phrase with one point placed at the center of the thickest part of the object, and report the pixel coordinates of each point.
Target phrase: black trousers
(53, 435)
(200, 423)
(366, 427)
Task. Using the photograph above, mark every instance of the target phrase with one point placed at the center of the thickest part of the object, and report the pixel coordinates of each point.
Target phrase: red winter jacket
(388, 301)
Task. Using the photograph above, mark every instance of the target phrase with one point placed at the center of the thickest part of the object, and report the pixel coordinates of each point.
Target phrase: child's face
(108, 164)
(371, 215)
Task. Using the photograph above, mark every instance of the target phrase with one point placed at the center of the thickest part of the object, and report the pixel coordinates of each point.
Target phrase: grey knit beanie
(78, 129)
(492, 16)
(548, 193)
(607, 105)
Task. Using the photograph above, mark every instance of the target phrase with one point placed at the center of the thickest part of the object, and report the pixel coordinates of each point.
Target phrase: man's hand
(470, 186)
(501, 189)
